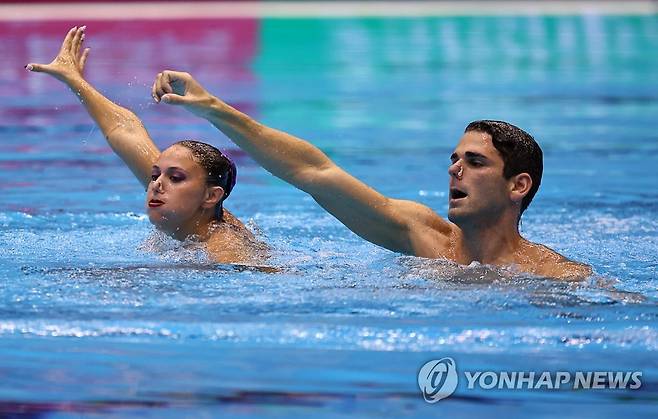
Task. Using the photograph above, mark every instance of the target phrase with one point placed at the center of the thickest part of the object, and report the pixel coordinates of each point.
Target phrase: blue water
(100, 315)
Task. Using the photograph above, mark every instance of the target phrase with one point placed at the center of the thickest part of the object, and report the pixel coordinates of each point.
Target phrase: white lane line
(320, 9)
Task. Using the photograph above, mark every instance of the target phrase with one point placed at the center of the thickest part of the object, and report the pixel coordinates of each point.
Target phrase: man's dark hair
(520, 152)
(220, 169)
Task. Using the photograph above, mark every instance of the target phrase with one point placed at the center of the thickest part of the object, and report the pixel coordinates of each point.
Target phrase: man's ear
(214, 194)
(520, 185)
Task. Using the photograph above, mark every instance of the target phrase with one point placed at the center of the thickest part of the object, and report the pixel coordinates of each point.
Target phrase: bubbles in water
(168, 249)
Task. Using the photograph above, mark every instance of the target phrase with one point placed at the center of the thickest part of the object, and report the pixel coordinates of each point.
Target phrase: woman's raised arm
(123, 130)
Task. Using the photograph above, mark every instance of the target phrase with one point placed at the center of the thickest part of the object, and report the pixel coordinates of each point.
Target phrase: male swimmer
(495, 172)
(186, 184)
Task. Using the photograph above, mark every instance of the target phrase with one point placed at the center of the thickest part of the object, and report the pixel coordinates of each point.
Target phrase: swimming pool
(100, 316)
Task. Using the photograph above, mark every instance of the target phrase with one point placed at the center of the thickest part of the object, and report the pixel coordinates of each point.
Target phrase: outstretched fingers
(37, 68)
(77, 41)
(83, 59)
(68, 40)
(68, 62)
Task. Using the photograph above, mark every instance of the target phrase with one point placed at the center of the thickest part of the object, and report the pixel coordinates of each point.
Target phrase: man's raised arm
(397, 225)
(122, 128)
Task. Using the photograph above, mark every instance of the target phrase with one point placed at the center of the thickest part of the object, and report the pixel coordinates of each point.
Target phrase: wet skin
(181, 203)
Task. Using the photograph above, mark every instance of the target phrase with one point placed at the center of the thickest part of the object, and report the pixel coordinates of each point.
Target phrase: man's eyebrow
(469, 155)
(474, 155)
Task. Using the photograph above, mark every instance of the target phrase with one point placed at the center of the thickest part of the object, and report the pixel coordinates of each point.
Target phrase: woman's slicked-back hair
(221, 171)
(520, 152)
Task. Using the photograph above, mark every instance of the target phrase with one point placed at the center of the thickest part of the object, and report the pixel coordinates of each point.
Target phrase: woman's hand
(179, 88)
(69, 63)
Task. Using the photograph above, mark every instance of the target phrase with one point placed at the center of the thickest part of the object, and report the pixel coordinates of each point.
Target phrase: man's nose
(455, 169)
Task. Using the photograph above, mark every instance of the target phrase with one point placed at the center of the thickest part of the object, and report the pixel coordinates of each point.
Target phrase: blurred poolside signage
(438, 379)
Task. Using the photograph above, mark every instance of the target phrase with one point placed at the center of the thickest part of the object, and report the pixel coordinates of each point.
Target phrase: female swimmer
(186, 184)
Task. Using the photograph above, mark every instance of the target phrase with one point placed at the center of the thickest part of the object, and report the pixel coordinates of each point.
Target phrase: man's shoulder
(429, 233)
(552, 264)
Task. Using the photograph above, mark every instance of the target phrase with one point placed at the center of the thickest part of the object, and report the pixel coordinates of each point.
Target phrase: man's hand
(69, 64)
(179, 88)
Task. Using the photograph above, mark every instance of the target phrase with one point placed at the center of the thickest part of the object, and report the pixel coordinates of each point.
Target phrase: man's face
(479, 193)
(176, 194)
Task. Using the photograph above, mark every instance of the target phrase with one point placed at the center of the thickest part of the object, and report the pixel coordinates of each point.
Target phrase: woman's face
(177, 196)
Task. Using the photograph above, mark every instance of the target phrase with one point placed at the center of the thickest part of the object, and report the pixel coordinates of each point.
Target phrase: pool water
(100, 315)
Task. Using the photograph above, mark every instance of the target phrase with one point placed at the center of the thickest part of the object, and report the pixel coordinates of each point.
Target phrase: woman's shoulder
(232, 242)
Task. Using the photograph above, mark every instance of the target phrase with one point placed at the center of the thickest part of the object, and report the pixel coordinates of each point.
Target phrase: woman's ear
(214, 194)
(520, 186)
